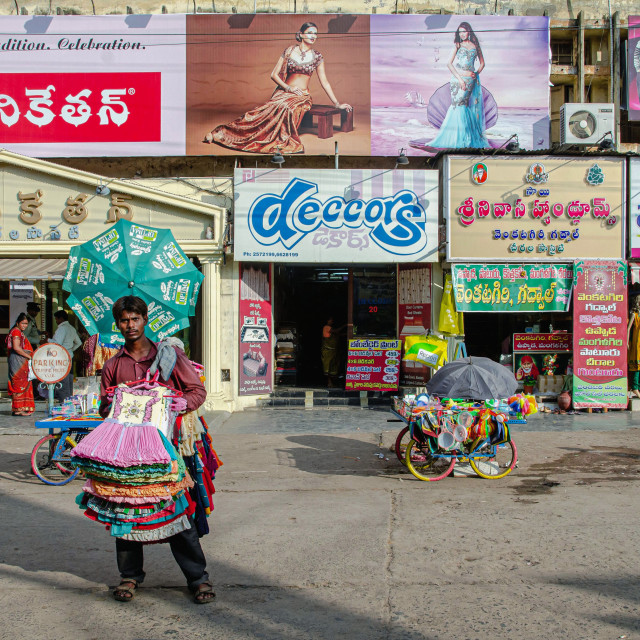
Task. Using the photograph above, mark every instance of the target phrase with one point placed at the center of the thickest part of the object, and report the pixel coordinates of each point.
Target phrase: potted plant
(528, 382)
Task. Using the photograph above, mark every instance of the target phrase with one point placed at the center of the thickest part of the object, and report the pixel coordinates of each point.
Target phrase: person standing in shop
(67, 337)
(329, 351)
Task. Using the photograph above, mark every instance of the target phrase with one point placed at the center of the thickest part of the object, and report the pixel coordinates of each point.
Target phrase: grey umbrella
(473, 379)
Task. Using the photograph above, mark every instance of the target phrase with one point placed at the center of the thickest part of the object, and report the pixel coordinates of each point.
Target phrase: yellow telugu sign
(539, 208)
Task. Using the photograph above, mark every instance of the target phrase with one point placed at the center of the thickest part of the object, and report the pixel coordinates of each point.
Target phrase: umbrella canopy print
(132, 260)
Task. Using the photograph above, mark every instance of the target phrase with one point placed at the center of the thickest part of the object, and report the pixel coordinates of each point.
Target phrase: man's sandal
(124, 591)
(203, 593)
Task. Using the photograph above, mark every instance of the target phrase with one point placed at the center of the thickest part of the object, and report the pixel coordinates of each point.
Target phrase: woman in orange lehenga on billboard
(274, 125)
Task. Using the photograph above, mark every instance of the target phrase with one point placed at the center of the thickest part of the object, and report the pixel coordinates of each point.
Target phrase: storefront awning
(33, 268)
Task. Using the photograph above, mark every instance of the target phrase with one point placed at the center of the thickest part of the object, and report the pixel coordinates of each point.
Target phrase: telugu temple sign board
(534, 209)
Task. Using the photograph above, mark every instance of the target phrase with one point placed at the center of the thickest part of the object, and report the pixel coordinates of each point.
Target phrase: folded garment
(124, 445)
(137, 513)
(124, 500)
(126, 524)
(140, 478)
(162, 533)
(118, 529)
(98, 468)
(108, 489)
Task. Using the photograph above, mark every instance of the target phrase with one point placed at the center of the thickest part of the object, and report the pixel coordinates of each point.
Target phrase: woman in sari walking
(20, 352)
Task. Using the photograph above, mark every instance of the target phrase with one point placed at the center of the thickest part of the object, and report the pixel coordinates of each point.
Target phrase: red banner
(256, 359)
(373, 364)
(600, 334)
(553, 342)
(80, 107)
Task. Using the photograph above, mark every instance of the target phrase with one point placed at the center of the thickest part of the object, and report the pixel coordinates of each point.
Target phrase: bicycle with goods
(439, 433)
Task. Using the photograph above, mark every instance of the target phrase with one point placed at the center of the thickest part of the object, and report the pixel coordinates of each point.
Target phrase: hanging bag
(450, 321)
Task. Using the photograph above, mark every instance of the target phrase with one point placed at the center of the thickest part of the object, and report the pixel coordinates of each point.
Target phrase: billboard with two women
(217, 84)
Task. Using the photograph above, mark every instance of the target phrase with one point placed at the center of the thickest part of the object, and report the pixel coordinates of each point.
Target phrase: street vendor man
(130, 364)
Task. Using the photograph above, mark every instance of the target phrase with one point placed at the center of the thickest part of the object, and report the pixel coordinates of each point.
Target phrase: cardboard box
(550, 384)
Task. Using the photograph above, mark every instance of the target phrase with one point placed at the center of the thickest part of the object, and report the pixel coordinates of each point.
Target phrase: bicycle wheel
(424, 465)
(402, 441)
(499, 462)
(64, 464)
(45, 467)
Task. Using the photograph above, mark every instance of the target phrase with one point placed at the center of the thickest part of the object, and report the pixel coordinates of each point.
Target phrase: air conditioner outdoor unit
(586, 123)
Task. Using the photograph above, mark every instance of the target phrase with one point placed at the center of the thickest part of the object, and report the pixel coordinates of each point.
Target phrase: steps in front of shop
(296, 398)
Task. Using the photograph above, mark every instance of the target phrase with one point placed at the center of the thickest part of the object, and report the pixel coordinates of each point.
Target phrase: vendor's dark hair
(22, 316)
(61, 313)
(133, 304)
(303, 28)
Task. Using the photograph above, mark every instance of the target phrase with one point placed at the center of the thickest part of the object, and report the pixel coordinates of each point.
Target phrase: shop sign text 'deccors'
(336, 216)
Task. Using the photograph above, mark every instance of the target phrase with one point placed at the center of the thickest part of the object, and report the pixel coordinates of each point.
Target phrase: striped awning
(33, 268)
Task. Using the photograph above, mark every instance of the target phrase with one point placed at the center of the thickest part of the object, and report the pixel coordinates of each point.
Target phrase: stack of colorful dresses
(137, 483)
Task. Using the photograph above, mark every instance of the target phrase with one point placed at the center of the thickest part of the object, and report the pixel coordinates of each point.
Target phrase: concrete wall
(569, 9)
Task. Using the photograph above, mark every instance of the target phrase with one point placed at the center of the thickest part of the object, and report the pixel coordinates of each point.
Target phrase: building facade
(272, 281)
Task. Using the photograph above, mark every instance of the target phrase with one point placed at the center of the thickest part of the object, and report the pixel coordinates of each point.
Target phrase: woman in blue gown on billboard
(464, 124)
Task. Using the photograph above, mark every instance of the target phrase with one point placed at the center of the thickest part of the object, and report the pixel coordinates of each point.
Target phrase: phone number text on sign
(80, 107)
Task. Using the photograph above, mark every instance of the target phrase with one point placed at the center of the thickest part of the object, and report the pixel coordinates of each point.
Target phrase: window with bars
(562, 52)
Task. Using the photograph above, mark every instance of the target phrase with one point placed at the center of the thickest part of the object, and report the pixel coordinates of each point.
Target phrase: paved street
(315, 536)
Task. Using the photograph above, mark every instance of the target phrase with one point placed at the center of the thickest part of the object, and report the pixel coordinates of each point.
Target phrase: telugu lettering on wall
(600, 334)
(536, 209)
(511, 288)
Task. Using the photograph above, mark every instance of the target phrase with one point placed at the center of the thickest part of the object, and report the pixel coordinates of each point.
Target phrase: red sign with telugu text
(255, 349)
(80, 107)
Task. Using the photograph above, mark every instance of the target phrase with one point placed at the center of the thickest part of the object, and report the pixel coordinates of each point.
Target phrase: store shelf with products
(286, 352)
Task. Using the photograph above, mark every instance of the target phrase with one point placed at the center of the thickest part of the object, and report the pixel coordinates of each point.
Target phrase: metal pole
(337, 154)
(50, 389)
(611, 55)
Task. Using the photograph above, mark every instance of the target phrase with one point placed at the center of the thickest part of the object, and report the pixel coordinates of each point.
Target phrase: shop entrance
(360, 299)
(304, 299)
(490, 334)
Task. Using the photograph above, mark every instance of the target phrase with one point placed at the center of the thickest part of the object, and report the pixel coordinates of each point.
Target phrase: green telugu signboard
(512, 287)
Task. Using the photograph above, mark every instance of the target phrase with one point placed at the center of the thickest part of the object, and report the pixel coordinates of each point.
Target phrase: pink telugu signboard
(600, 334)
(256, 360)
(373, 364)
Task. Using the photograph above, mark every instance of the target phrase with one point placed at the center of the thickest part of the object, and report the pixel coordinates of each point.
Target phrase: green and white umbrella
(132, 260)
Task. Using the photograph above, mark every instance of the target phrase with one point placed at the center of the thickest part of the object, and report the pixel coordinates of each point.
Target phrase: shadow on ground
(70, 559)
(335, 455)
